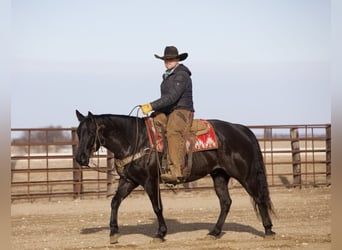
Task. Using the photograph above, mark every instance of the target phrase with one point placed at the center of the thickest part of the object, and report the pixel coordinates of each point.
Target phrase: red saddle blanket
(201, 142)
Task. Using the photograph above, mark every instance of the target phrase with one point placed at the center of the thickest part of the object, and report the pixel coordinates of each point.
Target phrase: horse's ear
(91, 116)
(80, 117)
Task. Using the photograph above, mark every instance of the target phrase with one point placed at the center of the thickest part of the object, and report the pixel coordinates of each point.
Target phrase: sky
(260, 62)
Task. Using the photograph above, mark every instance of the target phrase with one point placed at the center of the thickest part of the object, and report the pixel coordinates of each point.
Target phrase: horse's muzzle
(82, 159)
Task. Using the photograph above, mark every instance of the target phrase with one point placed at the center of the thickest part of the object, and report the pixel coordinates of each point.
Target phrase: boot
(174, 177)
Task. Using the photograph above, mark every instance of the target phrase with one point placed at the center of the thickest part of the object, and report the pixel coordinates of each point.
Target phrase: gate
(43, 165)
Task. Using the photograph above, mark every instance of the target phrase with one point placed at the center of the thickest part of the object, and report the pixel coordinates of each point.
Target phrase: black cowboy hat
(171, 52)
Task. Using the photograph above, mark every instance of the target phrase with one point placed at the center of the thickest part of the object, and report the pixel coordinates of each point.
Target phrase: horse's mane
(115, 118)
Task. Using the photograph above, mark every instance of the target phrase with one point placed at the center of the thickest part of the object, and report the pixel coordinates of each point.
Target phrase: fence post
(296, 167)
(328, 153)
(77, 170)
(110, 173)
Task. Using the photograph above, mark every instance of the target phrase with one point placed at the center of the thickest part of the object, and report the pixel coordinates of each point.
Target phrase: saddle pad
(201, 142)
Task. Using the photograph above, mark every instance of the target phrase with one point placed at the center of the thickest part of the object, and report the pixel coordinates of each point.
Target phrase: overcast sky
(253, 62)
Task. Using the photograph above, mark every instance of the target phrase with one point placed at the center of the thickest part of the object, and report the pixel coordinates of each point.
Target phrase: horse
(238, 156)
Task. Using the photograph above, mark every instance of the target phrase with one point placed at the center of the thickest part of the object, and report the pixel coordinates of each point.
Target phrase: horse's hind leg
(221, 188)
(266, 219)
(262, 205)
(124, 189)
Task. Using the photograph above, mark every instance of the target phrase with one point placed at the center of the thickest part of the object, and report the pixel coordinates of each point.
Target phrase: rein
(119, 163)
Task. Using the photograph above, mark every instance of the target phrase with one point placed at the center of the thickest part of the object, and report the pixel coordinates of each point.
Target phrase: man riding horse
(236, 153)
(176, 103)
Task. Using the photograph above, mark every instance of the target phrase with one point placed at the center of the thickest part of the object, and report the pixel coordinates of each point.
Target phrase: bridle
(120, 163)
(97, 138)
(95, 148)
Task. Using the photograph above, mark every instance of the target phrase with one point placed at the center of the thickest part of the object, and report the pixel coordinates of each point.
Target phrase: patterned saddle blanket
(202, 137)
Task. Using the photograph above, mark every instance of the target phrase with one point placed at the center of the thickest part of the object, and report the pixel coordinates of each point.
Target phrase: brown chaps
(177, 130)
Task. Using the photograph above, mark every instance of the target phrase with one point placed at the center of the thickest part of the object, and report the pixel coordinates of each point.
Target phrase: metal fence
(43, 164)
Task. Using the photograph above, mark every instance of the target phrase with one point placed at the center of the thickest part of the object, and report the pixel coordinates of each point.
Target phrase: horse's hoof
(114, 239)
(270, 235)
(157, 240)
(210, 237)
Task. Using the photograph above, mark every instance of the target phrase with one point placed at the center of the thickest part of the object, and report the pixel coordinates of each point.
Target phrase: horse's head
(88, 136)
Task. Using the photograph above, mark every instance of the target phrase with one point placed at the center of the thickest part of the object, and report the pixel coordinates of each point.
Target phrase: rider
(177, 104)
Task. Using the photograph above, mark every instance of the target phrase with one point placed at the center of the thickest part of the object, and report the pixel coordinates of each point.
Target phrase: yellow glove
(146, 108)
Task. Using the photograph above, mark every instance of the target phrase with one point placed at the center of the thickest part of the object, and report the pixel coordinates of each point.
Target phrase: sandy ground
(302, 221)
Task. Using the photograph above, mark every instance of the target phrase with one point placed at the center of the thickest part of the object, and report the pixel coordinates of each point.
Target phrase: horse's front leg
(153, 191)
(125, 187)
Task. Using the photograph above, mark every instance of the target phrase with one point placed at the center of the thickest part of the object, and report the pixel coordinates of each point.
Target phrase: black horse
(237, 156)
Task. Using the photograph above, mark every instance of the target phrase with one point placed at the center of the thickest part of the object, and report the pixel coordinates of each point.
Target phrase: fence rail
(45, 167)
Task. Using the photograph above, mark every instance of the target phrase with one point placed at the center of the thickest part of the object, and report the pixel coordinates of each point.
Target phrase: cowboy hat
(171, 52)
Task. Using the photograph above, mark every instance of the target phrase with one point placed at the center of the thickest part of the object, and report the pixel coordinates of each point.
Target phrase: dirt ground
(302, 221)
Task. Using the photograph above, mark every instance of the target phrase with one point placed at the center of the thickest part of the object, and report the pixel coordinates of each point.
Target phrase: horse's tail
(263, 195)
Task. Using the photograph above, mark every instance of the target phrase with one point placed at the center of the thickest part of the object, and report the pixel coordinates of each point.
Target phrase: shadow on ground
(174, 226)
